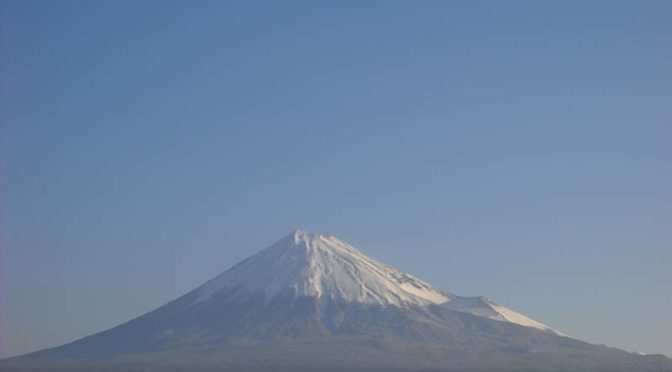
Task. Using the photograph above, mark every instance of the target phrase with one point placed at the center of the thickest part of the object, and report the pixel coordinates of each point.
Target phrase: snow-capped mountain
(327, 268)
(314, 302)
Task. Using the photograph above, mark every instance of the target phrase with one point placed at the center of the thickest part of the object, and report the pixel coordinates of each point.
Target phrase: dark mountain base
(346, 354)
(124, 367)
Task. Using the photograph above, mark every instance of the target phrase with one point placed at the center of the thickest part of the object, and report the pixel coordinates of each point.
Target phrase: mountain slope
(313, 301)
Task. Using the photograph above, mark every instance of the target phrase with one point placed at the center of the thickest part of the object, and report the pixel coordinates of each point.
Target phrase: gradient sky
(519, 150)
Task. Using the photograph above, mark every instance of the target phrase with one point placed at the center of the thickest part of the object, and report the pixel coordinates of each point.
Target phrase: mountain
(313, 301)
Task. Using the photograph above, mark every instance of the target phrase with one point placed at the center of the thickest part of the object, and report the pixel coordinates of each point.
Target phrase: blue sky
(519, 150)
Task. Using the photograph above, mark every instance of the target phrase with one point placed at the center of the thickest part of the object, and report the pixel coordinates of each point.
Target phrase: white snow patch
(517, 318)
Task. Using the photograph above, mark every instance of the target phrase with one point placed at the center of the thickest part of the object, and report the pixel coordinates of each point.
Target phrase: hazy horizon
(517, 150)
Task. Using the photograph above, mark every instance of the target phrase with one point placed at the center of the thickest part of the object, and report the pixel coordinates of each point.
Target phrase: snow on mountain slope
(482, 306)
(517, 318)
(325, 267)
(316, 265)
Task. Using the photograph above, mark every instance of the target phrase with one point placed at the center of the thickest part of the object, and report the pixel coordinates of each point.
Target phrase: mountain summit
(312, 301)
(325, 267)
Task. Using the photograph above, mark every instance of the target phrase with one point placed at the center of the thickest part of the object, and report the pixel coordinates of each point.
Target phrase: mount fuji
(312, 301)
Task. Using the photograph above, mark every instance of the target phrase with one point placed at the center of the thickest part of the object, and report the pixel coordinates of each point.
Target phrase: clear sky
(519, 150)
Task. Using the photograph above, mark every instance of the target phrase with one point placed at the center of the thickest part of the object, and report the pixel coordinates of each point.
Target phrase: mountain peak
(326, 268)
(323, 266)
(313, 246)
(299, 237)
